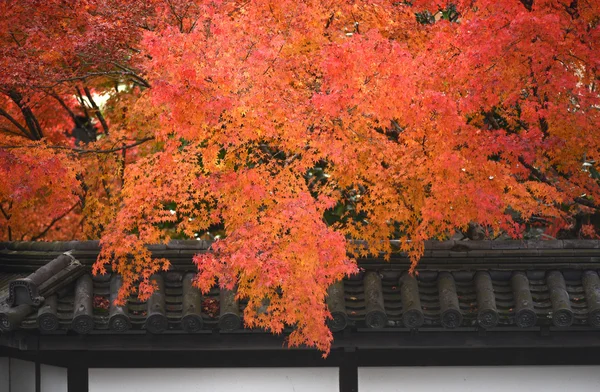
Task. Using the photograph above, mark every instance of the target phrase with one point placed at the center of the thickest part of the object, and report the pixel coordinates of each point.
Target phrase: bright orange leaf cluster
(300, 134)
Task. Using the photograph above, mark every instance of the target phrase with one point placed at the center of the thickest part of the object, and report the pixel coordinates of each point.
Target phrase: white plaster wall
(22, 376)
(4, 369)
(215, 380)
(53, 379)
(480, 378)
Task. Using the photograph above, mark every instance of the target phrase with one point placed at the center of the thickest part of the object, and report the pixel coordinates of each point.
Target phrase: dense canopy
(297, 135)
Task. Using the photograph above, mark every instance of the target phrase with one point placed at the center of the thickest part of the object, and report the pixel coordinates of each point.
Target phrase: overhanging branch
(543, 178)
(83, 150)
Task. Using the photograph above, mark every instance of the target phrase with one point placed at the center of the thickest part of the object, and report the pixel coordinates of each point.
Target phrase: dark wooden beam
(349, 372)
(393, 340)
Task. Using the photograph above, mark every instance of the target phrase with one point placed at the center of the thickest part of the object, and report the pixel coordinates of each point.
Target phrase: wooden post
(118, 320)
(348, 373)
(450, 315)
(157, 321)
(229, 318)
(412, 313)
(591, 285)
(337, 307)
(83, 320)
(47, 318)
(487, 315)
(77, 379)
(191, 319)
(376, 316)
(525, 316)
(562, 315)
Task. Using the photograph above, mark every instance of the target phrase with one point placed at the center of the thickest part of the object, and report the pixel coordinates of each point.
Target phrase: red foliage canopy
(293, 129)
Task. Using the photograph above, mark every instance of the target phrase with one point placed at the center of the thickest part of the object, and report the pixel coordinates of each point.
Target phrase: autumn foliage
(296, 135)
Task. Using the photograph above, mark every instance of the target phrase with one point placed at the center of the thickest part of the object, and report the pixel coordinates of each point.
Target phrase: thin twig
(272, 62)
(53, 222)
(85, 151)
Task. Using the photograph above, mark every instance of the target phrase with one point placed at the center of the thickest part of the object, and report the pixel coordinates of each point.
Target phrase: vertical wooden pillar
(38, 374)
(77, 379)
(349, 371)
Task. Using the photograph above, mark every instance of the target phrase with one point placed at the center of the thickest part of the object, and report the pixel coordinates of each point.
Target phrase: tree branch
(96, 110)
(85, 151)
(3, 129)
(130, 72)
(21, 128)
(82, 102)
(53, 222)
(30, 119)
(7, 217)
(64, 105)
(542, 177)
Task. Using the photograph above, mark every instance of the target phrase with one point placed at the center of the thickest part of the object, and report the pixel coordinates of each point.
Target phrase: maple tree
(304, 134)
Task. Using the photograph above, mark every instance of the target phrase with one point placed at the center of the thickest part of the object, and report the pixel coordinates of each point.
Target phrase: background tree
(294, 130)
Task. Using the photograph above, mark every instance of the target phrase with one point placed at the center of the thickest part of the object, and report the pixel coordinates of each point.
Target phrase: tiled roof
(460, 286)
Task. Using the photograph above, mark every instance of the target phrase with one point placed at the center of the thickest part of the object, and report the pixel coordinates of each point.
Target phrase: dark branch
(587, 203)
(88, 94)
(131, 73)
(32, 123)
(64, 105)
(542, 177)
(3, 129)
(538, 174)
(53, 222)
(7, 217)
(528, 4)
(82, 102)
(84, 151)
(21, 128)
